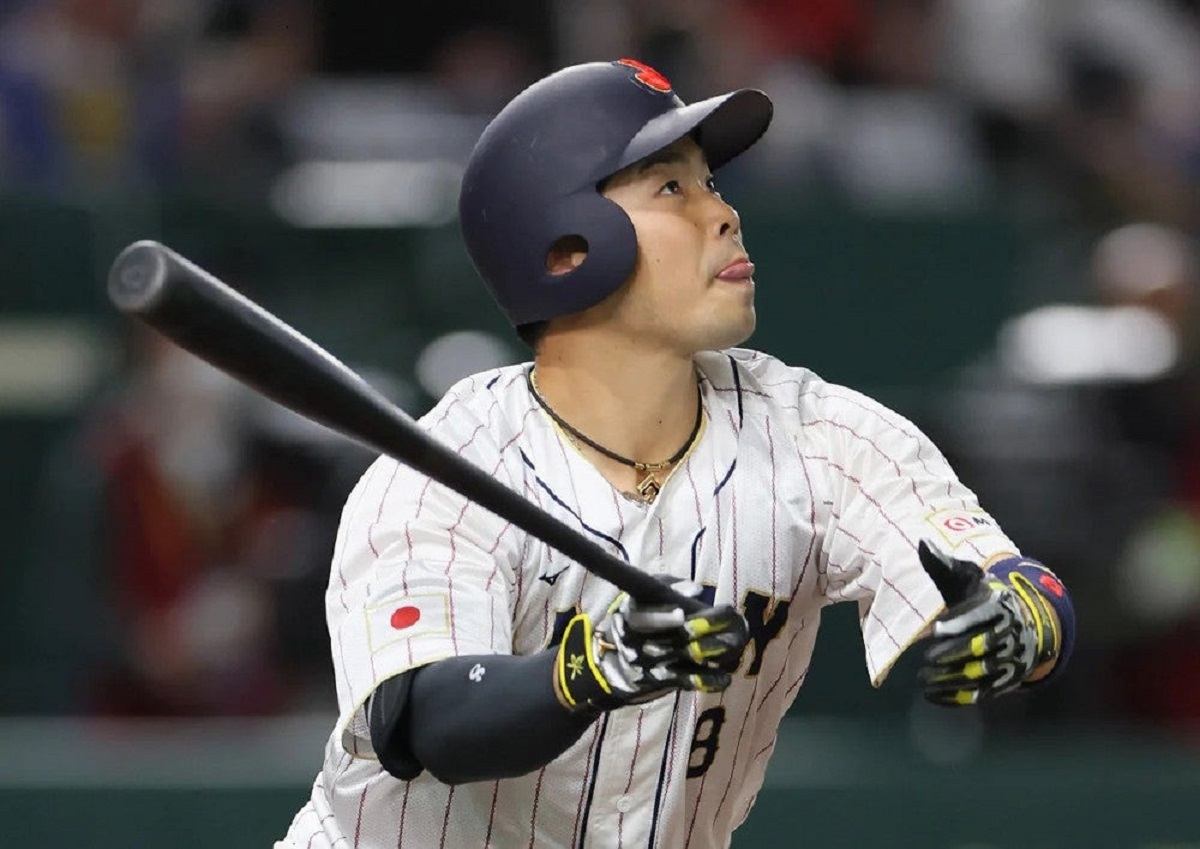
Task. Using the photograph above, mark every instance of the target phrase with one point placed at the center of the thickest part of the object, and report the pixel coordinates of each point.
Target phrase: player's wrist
(580, 682)
(565, 700)
(1048, 605)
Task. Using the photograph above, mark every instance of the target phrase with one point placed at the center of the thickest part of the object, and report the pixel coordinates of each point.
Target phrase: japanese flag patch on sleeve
(402, 618)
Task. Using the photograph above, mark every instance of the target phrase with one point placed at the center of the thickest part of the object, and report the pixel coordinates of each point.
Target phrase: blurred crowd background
(982, 212)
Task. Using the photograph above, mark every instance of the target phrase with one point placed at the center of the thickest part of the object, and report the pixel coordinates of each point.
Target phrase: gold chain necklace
(650, 485)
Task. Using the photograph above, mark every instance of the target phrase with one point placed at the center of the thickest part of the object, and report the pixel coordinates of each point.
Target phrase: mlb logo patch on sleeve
(958, 526)
(402, 617)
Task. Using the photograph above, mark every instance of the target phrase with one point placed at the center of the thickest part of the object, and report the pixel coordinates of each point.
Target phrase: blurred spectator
(481, 68)
(207, 517)
(361, 40)
(241, 57)
(1083, 436)
(1094, 104)
(107, 94)
(1156, 269)
(78, 111)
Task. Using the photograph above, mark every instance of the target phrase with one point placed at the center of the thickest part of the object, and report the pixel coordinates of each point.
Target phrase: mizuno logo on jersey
(550, 579)
(958, 526)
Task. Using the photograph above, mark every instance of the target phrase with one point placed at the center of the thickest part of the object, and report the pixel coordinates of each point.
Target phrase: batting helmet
(534, 173)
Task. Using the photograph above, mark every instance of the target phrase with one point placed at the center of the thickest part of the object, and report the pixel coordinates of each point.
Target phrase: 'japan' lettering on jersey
(799, 494)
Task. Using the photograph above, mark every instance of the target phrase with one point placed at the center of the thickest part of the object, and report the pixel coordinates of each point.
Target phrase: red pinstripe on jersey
(587, 772)
(446, 817)
(637, 745)
(774, 512)
(487, 838)
(533, 814)
(403, 811)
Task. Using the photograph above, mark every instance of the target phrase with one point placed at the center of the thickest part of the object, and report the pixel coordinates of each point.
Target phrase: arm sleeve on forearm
(464, 723)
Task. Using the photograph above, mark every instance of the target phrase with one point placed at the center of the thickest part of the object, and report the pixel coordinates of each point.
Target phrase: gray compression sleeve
(474, 718)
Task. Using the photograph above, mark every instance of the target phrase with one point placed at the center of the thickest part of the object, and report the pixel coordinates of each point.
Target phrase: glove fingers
(974, 616)
(966, 691)
(648, 619)
(975, 644)
(717, 651)
(950, 697)
(706, 682)
(713, 620)
(713, 649)
(973, 673)
(988, 646)
(689, 676)
(657, 617)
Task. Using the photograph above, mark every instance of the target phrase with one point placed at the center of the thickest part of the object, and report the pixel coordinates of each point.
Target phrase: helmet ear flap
(611, 255)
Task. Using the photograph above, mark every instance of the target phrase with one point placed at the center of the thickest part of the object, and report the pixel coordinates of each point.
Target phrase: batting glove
(639, 652)
(993, 634)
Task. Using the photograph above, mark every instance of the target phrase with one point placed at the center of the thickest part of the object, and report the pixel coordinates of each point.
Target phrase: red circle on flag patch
(405, 617)
(1051, 583)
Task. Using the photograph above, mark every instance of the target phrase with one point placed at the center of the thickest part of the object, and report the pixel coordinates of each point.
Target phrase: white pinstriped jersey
(799, 494)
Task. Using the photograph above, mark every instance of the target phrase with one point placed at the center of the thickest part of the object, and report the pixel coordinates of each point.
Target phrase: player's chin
(730, 328)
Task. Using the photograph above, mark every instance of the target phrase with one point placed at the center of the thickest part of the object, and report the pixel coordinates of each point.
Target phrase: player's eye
(671, 187)
(711, 185)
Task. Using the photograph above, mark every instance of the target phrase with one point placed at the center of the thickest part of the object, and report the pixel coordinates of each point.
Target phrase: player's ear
(566, 254)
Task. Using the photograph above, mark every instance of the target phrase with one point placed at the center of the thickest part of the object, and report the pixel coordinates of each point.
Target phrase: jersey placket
(623, 803)
(627, 782)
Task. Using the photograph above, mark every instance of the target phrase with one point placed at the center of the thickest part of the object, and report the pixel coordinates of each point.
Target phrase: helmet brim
(725, 126)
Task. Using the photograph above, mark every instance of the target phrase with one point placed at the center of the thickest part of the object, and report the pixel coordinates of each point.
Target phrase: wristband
(1038, 586)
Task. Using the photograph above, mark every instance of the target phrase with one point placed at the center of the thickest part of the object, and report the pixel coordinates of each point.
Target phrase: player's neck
(638, 403)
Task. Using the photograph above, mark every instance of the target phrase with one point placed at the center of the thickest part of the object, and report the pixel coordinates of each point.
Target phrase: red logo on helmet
(647, 76)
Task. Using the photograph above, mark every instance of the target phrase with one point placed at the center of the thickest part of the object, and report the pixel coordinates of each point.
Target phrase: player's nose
(726, 219)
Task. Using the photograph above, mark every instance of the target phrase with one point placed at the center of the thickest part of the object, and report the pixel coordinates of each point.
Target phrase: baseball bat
(203, 315)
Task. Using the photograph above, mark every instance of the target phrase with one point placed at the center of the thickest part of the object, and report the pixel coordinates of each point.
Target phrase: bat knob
(138, 276)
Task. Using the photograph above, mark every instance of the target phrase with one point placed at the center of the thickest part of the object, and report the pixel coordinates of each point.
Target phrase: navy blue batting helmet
(533, 177)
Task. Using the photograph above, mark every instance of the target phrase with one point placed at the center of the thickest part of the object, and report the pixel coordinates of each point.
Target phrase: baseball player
(495, 694)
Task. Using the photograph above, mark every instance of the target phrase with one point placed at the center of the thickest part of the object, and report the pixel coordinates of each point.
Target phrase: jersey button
(624, 804)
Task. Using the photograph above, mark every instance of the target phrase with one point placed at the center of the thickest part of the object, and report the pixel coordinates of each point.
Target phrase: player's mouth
(738, 271)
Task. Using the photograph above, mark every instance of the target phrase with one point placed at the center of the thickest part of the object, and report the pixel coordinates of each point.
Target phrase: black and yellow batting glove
(992, 636)
(638, 652)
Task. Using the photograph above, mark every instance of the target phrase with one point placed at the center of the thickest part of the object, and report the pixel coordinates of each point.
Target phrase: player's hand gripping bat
(221, 326)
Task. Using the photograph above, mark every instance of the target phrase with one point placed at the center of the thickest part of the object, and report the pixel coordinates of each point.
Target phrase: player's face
(687, 237)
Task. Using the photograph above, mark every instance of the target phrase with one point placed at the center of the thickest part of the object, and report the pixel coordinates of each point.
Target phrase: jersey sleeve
(890, 488)
(418, 574)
